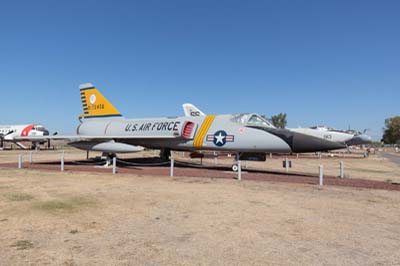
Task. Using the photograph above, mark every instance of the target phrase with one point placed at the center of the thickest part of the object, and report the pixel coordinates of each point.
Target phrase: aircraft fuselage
(213, 132)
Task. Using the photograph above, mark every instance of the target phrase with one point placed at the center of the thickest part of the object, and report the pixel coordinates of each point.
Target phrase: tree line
(391, 131)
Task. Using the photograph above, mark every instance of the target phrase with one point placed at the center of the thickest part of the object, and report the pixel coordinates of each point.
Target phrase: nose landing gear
(235, 165)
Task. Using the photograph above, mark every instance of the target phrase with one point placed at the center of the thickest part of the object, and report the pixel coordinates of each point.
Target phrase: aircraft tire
(235, 167)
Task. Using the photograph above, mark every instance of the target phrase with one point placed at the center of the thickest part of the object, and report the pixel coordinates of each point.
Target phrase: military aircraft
(348, 137)
(11, 133)
(103, 128)
(325, 133)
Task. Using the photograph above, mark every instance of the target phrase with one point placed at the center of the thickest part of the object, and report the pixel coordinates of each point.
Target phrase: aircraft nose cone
(305, 143)
(299, 142)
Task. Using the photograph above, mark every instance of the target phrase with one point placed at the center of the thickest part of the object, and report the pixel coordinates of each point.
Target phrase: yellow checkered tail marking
(207, 122)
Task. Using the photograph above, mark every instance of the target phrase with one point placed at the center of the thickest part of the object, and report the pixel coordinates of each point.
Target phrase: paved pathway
(391, 157)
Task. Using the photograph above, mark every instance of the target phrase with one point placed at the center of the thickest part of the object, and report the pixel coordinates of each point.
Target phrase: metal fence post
(30, 157)
(114, 167)
(341, 169)
(321, 175)
(239, 171)
(171, 170)
(62, 161)
(20, 161)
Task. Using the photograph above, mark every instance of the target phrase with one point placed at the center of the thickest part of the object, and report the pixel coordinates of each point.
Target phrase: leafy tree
(279, 120)
(391, 133)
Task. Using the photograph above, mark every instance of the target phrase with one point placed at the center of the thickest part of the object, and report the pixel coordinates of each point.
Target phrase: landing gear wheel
(235, 167)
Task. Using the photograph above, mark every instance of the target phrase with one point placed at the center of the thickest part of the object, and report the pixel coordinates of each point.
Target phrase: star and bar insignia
(220, 138)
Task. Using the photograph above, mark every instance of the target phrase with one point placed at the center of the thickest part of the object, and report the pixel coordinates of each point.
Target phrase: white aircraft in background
(11, 133)
(321, 132)
(325, 132)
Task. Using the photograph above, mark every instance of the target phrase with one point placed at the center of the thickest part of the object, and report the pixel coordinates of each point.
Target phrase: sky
(321, 62)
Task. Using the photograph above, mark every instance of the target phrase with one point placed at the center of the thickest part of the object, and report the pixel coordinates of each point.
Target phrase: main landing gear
(108, 157)
(165, 154)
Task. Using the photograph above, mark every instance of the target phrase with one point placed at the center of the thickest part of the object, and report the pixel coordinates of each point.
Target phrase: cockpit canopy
(251, 119)
(40, 128)
(323, 128)
(326, 128)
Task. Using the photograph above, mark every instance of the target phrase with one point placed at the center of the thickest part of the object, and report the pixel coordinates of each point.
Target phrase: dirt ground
(52, 218)
(81, 218)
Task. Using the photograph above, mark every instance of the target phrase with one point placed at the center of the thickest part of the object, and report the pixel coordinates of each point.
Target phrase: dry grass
(65, 205)
(22, 245)
(18, 196)
(101, 219)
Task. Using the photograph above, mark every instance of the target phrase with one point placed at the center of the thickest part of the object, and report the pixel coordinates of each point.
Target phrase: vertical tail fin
(191, 110)
(95, 104)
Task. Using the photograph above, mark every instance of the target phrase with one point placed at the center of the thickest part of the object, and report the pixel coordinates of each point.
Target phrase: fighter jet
(11, 133)
(349, 137)
(325, 133)
(103, 128)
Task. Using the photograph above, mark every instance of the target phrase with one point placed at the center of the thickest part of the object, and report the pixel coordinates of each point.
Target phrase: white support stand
(30, 156)
(171, 170)
(20, 161)
(287, 165)
(321, 175)
(239, 170)
(62, 161)
(114, 167)
(341, 169)
(107, 162)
